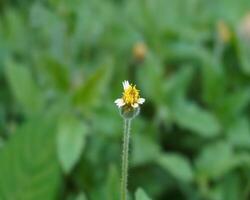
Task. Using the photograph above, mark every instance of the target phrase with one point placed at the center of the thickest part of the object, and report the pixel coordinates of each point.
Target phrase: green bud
(128, 112)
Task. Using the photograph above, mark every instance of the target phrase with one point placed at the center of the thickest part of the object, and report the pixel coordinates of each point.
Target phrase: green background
(62, 64)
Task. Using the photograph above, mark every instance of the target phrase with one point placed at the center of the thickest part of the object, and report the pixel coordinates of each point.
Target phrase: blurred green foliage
(61, 67)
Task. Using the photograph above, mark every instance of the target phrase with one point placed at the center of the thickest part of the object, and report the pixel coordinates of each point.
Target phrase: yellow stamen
(130, 95)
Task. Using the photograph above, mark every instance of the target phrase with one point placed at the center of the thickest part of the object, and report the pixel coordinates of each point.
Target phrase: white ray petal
(135, 105)
(119, 102)
(125, 84)
(141, 100)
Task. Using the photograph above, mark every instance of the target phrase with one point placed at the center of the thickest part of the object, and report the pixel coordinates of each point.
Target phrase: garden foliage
(61, 68)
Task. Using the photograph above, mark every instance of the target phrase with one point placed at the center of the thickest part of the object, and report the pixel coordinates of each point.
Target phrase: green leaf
(89, 94)
(191, 116)
(81, 197)
(23, 86)
(177, 85)
(239, 133)
(70, 142)
(228, 188)
(152, 72)
(231, 105)
(213, 82)
(144, 150)
(112, 186)
(243, 47)
(177, 165)
(28, 164)
(216, 160)
(57, 74)
(141, 195)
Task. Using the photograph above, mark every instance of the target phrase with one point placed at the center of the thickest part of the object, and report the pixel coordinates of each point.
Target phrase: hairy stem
(125, 152)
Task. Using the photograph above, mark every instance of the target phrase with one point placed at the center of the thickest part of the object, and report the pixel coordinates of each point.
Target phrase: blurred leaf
(70, 142)
(183, 50)
(81, 197)
(58, 73)
(23, 87)
(213, 82)
(176, 165)
(243, 48)
(150, 79)
(112, 186)
(104, 121)
(15, 29)
(177, 84)
(239, 133)
(144, 150)
(89, 94)
(231, 105)
(109, 188)
(141, 195)
(28, 164)
(189, 115)
(229, 188)
(216, 160)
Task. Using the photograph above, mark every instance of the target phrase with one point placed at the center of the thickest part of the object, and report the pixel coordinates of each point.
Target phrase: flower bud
(129, 112)
(245, 27)
(139, 51)
(223, 31)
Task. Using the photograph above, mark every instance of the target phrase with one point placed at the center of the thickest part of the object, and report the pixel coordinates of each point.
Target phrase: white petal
(141, 101)
(135, 105)
(119, 102)
(125, 84)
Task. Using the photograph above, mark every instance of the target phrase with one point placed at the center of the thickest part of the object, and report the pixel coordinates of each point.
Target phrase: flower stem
(125, 152)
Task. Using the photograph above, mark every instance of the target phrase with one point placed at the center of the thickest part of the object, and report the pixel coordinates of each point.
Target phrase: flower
(245, 27)
(223, 31)
(130, 98)
(140, 51)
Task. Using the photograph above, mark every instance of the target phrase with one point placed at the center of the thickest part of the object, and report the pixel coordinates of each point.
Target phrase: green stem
(125, 151)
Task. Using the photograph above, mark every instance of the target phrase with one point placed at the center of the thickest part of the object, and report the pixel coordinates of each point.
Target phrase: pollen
(131, 95)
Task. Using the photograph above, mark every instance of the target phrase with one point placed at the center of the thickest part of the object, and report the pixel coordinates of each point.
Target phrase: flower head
(139, 51)
(131, 97)
(223, 31)
(245, 27)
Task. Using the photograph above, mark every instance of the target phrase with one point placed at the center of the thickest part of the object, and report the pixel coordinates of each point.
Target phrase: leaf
(28, 164)
(70, 142)
(144, 150)
(176, 165)
(243, 47)
(228, 188)
(216, 160)
(56, 72)
(141, 195)
(152, 72)
(239, 133)
(233, 104)
(89, 94)
(177, 85)
(23, 86)
(213, 82)
(112, 186)
(190, 116)
(81, 197)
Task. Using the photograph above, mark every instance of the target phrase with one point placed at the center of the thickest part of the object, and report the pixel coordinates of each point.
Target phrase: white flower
(119, 102)
(130, 96)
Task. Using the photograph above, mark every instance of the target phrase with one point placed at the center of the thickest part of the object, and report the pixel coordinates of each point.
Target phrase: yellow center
(130, 95)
